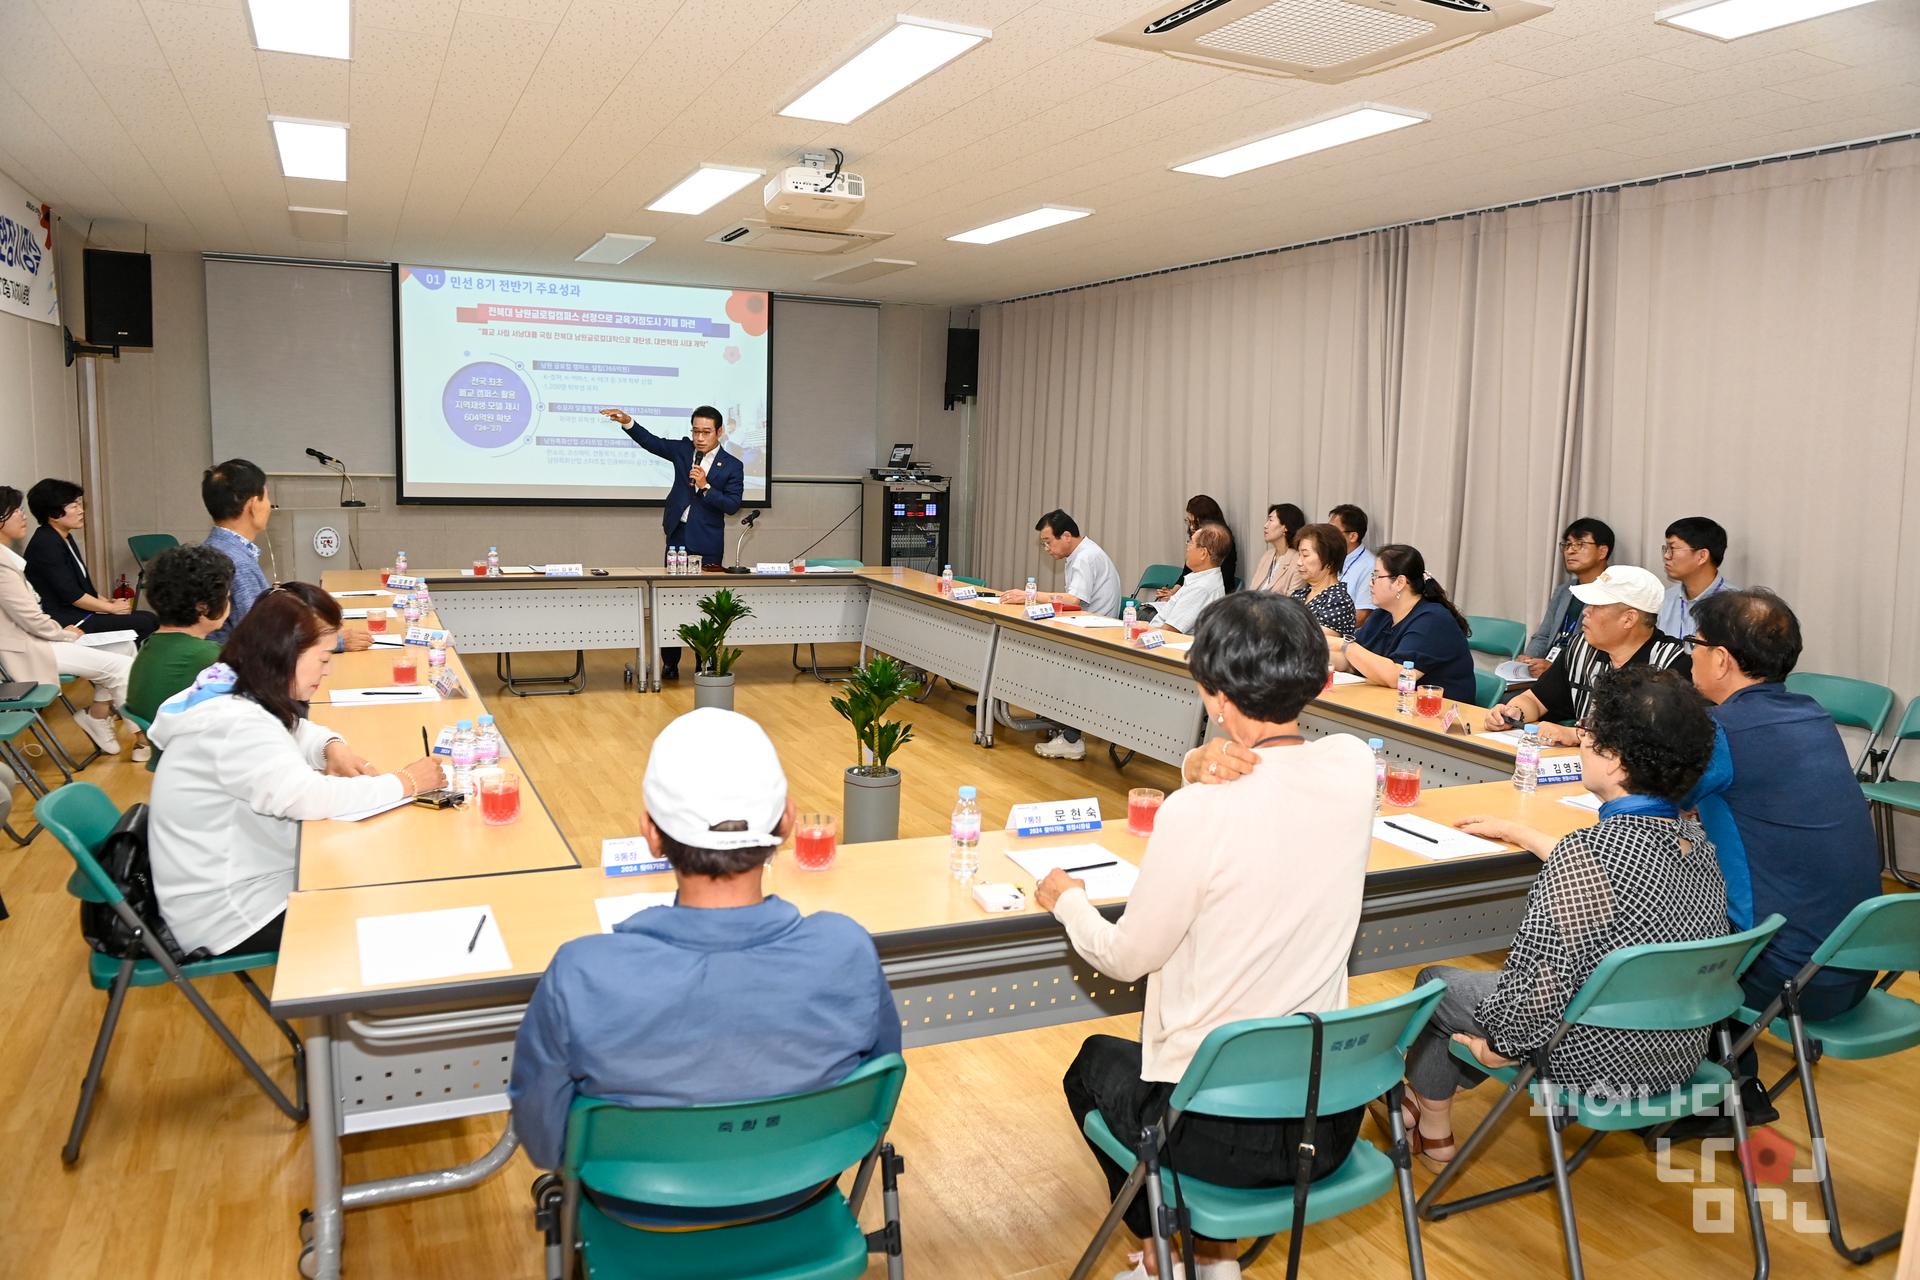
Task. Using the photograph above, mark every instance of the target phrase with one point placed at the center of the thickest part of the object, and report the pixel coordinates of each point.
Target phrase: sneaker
(1058, 748)
(1225, 1269)
(141, 753)
(101, 731)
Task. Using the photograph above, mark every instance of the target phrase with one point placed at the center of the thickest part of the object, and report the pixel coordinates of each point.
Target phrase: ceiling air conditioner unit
(1324, 40)
(753, 233)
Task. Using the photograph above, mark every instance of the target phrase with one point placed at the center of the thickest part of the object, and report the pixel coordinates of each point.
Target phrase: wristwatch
(1344, 642)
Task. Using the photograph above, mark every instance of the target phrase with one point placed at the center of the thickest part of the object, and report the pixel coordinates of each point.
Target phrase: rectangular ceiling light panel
(1047, 215)
(704, 188)
(912, 50)
(1732, 19)
(311, 148)
(319, 28)
(613, 248)
(1364, 121)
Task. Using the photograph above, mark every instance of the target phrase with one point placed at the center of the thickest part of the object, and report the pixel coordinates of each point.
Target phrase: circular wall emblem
(326, 541)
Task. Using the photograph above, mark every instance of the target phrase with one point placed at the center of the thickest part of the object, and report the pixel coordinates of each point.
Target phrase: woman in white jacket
(240, 769)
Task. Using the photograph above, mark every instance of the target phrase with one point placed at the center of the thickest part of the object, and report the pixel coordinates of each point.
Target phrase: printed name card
(423, 635)
(773, 566)
(1039, 612)
(1055, 817)
(1559, 769)
(964, 591)
(629, 856)
(397, 582)
(1151, 639)
(566, 571)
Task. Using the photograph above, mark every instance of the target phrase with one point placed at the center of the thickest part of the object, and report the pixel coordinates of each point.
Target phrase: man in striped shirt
(1618, 628)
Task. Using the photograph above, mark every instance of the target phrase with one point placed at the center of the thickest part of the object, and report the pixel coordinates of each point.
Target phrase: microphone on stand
(347, 498)
(745, 526)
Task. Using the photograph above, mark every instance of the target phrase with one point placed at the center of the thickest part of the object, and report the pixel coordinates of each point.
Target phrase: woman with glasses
(1645, 873)
(1412, 621)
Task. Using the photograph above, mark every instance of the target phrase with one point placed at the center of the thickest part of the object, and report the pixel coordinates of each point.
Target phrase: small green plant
(870, 693)
(708, 637)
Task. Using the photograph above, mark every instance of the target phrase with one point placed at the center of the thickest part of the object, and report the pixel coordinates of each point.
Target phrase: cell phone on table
(441, 798)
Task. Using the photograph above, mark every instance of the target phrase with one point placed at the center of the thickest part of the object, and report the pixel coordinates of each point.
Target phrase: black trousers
(1233, 1153)
(1817, 1003)
(265, 938)
(139, 621)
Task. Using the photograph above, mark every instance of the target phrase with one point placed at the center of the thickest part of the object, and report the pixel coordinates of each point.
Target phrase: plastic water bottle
(400, 562)
(437, 650)
(493, 562)
(964, 861)
(1130, 616)
(1031, 587)
(1379, 771)
(1526, 761)
(946, 581)
(486, 744)
(463, 744)
(676, 561)
(1404, 703)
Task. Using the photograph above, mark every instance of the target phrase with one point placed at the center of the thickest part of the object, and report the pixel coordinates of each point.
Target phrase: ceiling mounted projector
(1324, 40)
(804, 196)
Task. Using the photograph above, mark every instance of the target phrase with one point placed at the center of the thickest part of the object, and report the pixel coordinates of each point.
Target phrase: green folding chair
(1887, 795)
(1859, 704)
(1487, 688)
(145, 546)
(12, 725)
(719, 1155)
(1674, 986)
(81, 816)
(35, 704)
(1157, 577)
(1881, 935)
(1263, 1068)
(1502, 637)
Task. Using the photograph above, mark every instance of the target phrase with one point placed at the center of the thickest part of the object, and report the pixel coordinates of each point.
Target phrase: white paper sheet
(354, 614)
(518, 568)
(427, 946)
(388, 640)
(1103, 882)
(1511, 737)
(382, 696)
(361, 815)
(1514, 671)
(1400, 829)
(1348, 677)
(1091, 621)
(1582, 799)
(107, 639)
(828, 568)
(985, 597)
(1178, 646)
(614, 910)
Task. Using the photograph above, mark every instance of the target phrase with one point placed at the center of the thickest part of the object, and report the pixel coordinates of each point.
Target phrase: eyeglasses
(1383, 577)
(1574, 544)
(1669, 550)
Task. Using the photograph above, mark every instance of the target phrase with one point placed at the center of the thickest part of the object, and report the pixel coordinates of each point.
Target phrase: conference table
(388, 1045)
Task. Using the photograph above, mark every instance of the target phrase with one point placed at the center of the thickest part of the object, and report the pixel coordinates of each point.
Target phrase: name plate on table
(1559, 769)
(405, 582)
(447, 684)
(963, 591)
(425, 635)
(1151, 639)
(1055, 817)
(773, 566)
(1039, 612)
(566, 571)
(629, 856)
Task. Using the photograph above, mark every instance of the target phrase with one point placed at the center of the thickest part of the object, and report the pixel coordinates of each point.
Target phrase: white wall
(39, 421)
(156, 440)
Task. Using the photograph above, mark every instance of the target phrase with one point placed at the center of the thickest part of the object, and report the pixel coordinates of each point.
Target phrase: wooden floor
(190, 1172)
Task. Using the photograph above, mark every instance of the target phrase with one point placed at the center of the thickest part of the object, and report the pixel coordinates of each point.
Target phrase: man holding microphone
(707, 486)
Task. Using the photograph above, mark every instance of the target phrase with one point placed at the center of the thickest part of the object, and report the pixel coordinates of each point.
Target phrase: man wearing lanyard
(1356, 572)
(707, 486)
(1586, 549)
(1691, 554)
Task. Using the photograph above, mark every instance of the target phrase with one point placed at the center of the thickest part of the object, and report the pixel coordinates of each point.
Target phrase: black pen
(399, 693)
(1418, 835)
(1091, 866)
(476, 933)
(425, 746)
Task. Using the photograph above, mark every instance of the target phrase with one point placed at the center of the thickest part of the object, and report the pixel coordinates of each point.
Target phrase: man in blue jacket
(707, 486)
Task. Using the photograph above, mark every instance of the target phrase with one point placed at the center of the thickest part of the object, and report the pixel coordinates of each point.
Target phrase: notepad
(352, 614)
(614, 910)
(1115, 880)
(1348, 677)
(1583, 799)
(361, 815)
(1514, 672)
(518, 568)
(102, 639)
(382, 696)
(1092, 621)
(427, 946)
(1429, 839)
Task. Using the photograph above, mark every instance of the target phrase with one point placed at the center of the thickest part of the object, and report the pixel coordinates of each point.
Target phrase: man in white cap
(728, 994)
(1618, 628)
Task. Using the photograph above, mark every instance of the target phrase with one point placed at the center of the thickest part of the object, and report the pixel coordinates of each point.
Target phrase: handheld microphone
(323, 459)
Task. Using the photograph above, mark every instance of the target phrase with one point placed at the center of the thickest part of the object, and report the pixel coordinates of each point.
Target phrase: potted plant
(872, 788)
(713, 661)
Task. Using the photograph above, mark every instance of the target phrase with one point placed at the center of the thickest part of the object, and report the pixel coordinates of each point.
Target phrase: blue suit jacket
(726, 482)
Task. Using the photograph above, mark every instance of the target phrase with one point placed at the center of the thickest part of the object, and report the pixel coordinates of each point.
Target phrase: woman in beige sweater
(1246, 907)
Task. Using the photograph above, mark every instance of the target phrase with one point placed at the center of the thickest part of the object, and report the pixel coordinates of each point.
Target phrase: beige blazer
(1285, 578)
(26, 632)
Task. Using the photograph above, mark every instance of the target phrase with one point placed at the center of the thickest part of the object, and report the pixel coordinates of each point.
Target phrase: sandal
(1436, 1153)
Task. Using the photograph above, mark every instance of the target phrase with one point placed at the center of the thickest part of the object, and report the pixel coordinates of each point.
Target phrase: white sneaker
(101, 731)
(1225, 1269)
(141, 753)
(1058, 748)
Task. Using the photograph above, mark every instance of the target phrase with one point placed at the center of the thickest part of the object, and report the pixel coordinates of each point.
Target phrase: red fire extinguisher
(121, 591)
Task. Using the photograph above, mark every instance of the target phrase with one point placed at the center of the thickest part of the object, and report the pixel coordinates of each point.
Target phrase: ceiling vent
(753, 233)
(1324, 40)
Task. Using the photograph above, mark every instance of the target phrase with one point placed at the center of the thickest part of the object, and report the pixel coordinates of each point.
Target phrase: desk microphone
(347, 496)
(323, 459)
(741, 541)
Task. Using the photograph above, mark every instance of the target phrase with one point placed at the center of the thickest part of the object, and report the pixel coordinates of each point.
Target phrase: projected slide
(502, 379)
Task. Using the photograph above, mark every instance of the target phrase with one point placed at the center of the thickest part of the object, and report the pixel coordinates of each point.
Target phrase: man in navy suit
(707, 485)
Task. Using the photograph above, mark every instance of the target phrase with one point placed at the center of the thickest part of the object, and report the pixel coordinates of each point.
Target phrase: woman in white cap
(1618, 628)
